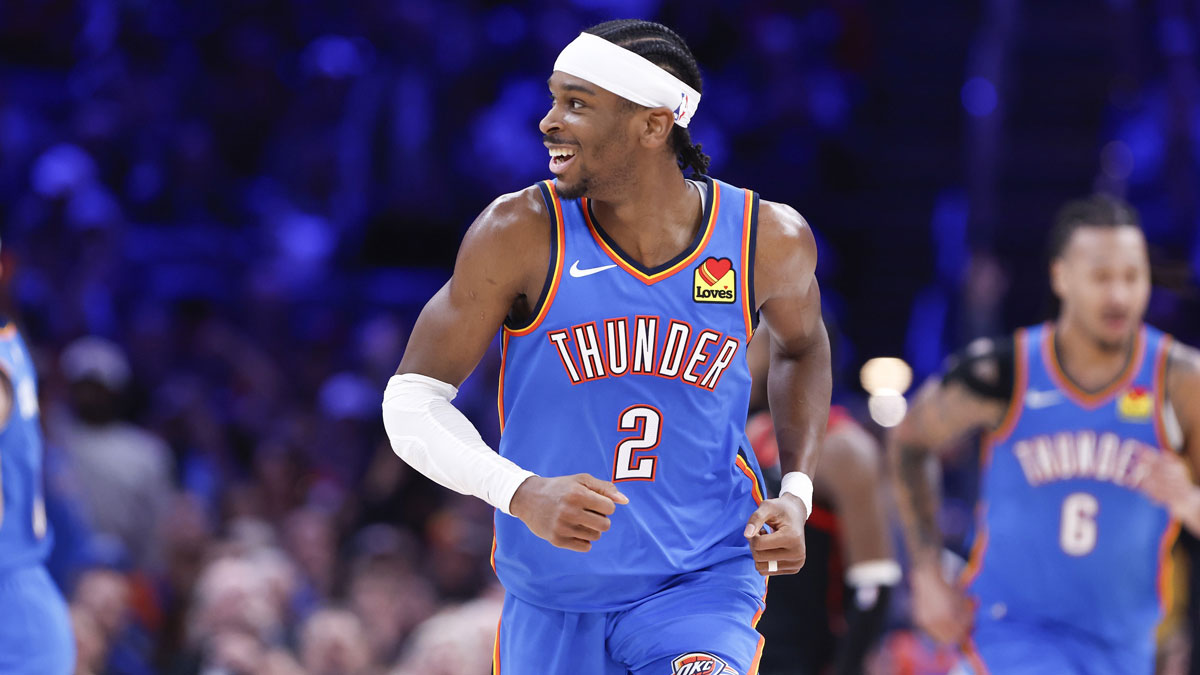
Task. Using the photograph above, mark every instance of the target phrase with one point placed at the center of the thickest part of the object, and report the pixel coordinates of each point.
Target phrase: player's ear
(1058, 277)
(656, 128)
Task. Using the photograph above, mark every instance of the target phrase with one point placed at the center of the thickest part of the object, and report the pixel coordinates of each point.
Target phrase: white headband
(628, 75)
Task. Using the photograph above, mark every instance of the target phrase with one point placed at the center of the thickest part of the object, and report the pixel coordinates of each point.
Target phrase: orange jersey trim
(8, 330)
(1091, 401)
(500, 389)
(558, 267)
(973, 657)
(657, 276)
(978, 548)
(758, 652)
(1166, 567)
(1017, 402)
(496, 649)
(747, 216)
(762, 641)
(757, 490)
(990, 440)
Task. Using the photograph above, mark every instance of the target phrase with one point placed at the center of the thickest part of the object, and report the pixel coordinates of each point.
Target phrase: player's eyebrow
(571, 86)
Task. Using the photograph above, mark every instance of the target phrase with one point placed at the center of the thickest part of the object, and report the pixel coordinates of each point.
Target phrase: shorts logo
(1136, 404)
(699, 663)
(715, 281)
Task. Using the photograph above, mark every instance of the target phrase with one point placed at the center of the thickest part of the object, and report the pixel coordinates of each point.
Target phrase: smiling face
(590, 135)
(1103, 280)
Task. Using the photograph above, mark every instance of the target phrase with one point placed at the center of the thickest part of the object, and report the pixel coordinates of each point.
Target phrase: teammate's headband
(628, 75)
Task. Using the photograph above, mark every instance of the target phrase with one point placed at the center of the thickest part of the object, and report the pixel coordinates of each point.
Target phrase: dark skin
(624, 163)
(850, 480)
(1103, 281)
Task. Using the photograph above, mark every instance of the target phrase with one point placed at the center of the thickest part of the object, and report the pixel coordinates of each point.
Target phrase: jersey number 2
(646, 422)
(1077, 534)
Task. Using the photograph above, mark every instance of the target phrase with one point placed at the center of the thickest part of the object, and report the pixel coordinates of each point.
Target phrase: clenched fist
(568, 511)
(782, 550)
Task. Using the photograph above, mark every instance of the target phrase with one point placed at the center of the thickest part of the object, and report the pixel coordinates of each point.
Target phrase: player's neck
(654, 218)
(1088, 364)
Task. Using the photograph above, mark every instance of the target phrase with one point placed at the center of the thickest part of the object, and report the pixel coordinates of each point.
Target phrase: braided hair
(664, 48)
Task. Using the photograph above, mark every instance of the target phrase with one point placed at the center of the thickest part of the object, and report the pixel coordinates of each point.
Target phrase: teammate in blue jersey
(633, 534)
(1089, 424)
(35, 632)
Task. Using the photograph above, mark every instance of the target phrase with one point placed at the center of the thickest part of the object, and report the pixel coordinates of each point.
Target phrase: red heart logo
(714, 270)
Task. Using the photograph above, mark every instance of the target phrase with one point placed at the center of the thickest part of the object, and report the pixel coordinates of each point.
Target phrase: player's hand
(784, 545)
(1168, 482)
(939, 608)
(568, 511)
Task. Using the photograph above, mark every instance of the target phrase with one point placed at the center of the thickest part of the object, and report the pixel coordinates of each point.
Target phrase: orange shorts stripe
(496, 649)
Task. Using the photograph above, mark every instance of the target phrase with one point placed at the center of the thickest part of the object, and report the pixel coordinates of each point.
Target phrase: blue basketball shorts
(35, 631)
(1003, 647)
(697, 626)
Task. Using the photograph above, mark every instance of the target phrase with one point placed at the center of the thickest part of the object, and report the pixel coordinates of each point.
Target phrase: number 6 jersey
(637, 376)
(1065, 540)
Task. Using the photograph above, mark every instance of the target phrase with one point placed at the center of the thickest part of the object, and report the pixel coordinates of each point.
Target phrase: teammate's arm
(501, 267)
(799, 380)
(972, 395)
(7, 401)
(1168, 479)
(852, 475)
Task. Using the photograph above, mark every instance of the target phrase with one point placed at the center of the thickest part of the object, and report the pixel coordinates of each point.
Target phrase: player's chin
(570, 189)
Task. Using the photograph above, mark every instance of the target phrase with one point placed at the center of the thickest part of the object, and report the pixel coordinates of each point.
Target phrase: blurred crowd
(218, 224)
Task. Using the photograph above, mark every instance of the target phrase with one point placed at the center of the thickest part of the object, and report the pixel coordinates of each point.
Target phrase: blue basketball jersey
(637, 376)
(24, 540)
(1066, 542)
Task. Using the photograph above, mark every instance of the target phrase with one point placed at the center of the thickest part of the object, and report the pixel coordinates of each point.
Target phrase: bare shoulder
(508, 245)
(783, 231)
(1183, 377)
(511, 218)
(1184, 359)
(785, 251)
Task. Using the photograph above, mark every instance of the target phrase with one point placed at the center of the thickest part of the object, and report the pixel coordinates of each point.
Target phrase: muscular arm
(799, 380)
(851, 474)
(1168, 479)
(943, 411)
(1183, 390)
(501, 264)
(502, 260)
(7, 399)
(970, 397)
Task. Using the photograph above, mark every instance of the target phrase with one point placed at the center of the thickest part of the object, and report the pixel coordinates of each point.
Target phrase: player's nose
(551, 122)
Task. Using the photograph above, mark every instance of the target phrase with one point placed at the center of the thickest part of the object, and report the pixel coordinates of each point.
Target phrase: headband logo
(681, 111)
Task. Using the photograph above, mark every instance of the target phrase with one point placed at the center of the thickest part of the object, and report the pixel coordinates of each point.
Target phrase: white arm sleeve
(433, 437)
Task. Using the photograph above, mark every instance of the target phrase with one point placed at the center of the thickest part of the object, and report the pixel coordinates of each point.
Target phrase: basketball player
(630, 528)
(1084, 419)
(35, 632)
(829, 616)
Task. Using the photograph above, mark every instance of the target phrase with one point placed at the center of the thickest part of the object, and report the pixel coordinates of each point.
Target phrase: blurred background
(219, 222)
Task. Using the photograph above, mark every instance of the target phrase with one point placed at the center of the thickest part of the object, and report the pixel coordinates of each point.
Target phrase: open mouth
(560, 158)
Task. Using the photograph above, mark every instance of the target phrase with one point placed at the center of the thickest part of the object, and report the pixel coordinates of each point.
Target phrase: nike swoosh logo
(576, 272)
(1042, 399)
